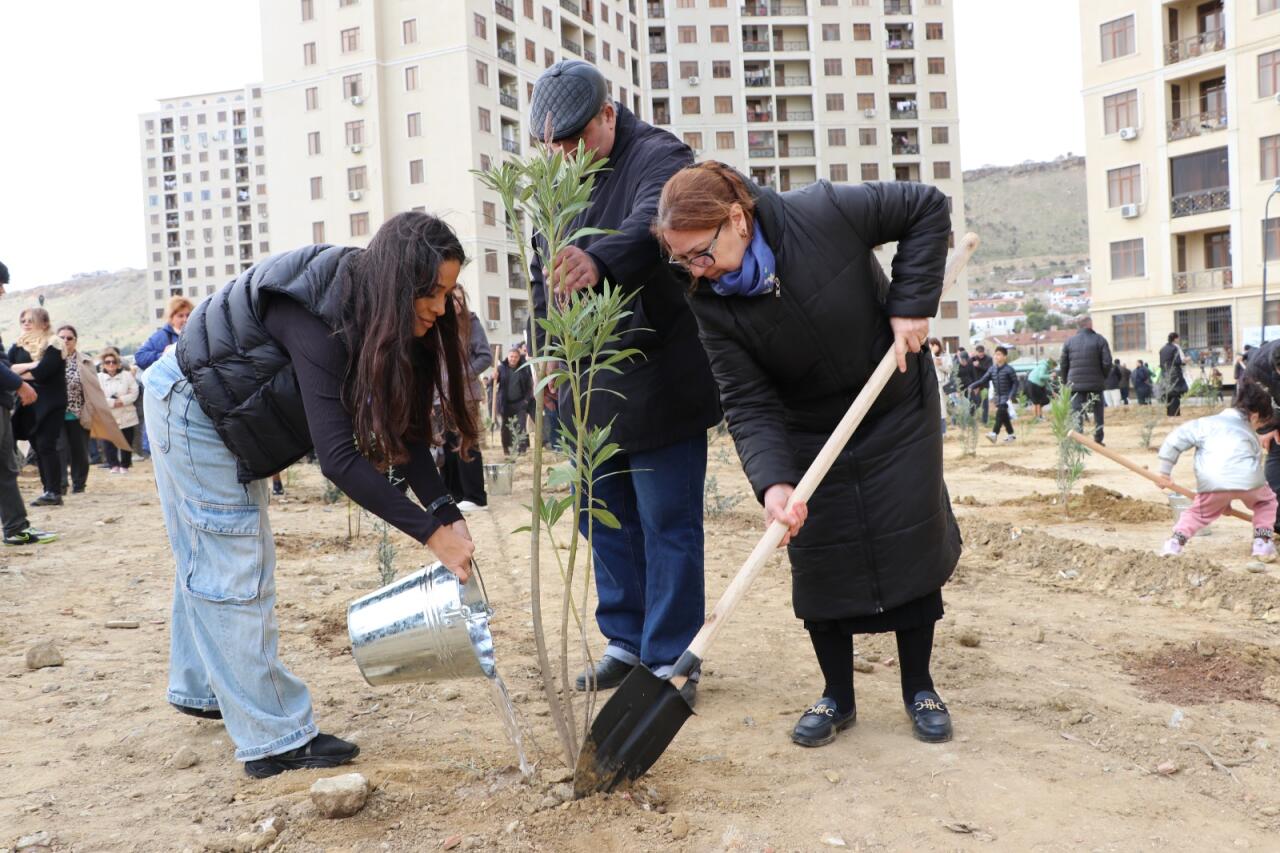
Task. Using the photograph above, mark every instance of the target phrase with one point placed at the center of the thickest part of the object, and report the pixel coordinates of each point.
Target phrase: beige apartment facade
(1182, 121)
(204, 192)
(791, 91)
(380, 106)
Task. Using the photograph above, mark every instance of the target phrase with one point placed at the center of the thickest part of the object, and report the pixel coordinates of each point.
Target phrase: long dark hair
(394, 376)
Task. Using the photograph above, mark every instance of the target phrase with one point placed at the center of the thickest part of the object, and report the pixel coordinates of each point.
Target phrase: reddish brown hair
(700, 197)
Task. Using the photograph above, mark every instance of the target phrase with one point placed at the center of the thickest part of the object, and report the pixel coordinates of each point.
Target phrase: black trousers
(1173, 407)
(117, 458)
(509, 438)
(44, 443)
(464, 478)
(1124, 395)
(1273, 473)
(1003, 419)
(1078, 401)
(74, 456)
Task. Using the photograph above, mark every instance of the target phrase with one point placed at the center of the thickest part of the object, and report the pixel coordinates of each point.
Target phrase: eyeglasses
(702, 259)
(67, 337)
(109, 361)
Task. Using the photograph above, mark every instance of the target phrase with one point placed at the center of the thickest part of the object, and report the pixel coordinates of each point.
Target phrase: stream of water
(507, 713)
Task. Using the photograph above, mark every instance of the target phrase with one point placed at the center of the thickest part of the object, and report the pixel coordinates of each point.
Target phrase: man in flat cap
(649, 572)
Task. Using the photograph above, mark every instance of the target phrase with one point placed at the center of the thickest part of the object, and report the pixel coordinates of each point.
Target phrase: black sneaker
(608, 673)
(31, 536)
(322, 751)
(277, 489)
(930, 720)
(202, 713)
(48, 499)
(820, 724)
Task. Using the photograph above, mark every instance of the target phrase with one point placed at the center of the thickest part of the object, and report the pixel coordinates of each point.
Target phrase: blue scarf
(756, 276)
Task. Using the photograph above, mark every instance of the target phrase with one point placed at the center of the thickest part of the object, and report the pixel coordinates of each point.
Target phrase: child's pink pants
(1209, 505)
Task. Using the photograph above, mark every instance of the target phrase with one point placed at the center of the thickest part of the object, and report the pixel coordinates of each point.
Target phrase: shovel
(641, 719)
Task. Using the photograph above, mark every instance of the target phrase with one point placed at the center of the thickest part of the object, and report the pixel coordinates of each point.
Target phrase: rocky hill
(1032, 210)
(105, 308)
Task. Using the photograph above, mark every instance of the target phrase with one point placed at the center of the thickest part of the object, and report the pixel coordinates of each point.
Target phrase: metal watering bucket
(423, 627)
(497, 477)
(1178, 503)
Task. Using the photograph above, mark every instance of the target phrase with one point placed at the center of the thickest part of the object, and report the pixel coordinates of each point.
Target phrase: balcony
(897, 7)
(759, 9)
(571, 6)
(795, 115)
(799, 151)
(1200, 201)
(589, 55)
(511, 146)
(790, 44)
(506, 10)
(657, 45)
(661, 116)
(904, 113)
(507, 54)
(1202, 281)
(1209, 41)
(904, 79)
(758, 81)
(906, 148)
(758, 116)
(656, 11)
(1197, 125)
(659, 81)
(755, 47)
(762, 151)
(516, 281)
(903, 43)
(797, 80)
(571, 45)
(509, 100)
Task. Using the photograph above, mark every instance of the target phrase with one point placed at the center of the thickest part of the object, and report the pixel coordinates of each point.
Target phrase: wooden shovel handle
(804, 490)
(1079, 438)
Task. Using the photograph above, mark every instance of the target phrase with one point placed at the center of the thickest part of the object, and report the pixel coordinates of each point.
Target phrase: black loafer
(202, 713)
(930, 720)
(608, 673)
(321, 751)
(48, 499)
(820, 724)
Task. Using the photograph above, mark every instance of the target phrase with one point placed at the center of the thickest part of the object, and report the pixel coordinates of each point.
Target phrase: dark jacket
(241, 377)
(1005, 380)
(1125, 373)
(980, 364)
(49, 379)
(1112, 382)
(1085, 362)
(515, 388)
(667, 393)
(964, 372)
(880, 531)
(1172, 379)
(1142, 379)
(10, 382)
(1261, 368)
(149, 353)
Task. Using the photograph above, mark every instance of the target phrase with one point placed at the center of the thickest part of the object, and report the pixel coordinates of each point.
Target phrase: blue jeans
(649, 572)
(223, 634)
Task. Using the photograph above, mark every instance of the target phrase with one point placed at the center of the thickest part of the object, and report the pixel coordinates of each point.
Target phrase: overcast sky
(78, 72)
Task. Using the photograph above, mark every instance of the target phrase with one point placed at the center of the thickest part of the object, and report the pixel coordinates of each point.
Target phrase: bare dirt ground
(1103, 699)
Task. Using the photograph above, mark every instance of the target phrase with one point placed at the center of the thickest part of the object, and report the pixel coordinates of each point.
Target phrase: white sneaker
(991, 437)
(1009, 438)
(469, 506)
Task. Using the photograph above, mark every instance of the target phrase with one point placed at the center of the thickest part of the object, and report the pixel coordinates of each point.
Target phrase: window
(1270, 151)
(352, 85)
(719, 35)
(1271, 239)
(350, 39)
(725, 140)
(870, 171)
(866, 136)
(940, 135)
(691, 106)
(345, 3)
(724, 104)
(482, 73)
(1265, 6)
(1118, 38)
(409, 31)
(548, 57)
(411, 78)
(688, 69)
(836, 136)
(1200, 175)
(942, 170)
(694, 141)
(356, 178)
(1124, 185)
(416, 175)
(313, 98)
(933, 31)
(309, 53)
(866, 101)
(721, 69)
(863, 67)
(528, 9)
(547, 20)
(839, 172)
(937, 100)
(308, 10)
(355, 132)
(317, 232)
(832, 67)
(490, 260)
(530, 51)
(494, 308)
(1129, 332)
(687, 35)
(862, 32)
(937, 65)
(1128, 259)
(313, 143)
(485, 123)
(1269, 74)
(1120, 110)
(317, 188)
(481, 27)
(835, 102)
(359, 224)
(831, 32)
(490, 212)
(950, 310)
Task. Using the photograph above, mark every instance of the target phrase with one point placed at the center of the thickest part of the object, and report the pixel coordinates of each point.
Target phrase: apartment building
(1182, 120)
(790, 91)
(379, 106)
(205, 192)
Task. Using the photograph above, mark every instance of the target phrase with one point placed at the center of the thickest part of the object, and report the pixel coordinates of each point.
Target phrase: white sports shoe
(469, 506)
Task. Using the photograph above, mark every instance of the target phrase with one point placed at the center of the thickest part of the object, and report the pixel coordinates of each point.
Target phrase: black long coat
(49, 379)
(880, 531)
(666, 394)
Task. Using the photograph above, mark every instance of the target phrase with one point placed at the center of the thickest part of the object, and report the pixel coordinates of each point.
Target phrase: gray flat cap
(573, 92)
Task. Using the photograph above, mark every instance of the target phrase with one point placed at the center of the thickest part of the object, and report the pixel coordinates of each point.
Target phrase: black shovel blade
(630, 733)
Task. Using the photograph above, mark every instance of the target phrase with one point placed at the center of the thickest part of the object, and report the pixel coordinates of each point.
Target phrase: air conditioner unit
(356, 100)
(1128, 134)
(355, 195)
(357, 148)
(1278, 97)
(693, 81)
(491, 325)
(1129, 211)
(869, 112)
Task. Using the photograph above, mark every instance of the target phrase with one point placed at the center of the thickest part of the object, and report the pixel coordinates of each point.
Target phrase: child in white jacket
(1228, 467)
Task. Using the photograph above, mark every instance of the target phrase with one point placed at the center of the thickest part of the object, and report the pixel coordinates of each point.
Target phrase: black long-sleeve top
(320, 362)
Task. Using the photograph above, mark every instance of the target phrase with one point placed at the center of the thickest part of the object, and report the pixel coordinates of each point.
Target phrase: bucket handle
(484, 592)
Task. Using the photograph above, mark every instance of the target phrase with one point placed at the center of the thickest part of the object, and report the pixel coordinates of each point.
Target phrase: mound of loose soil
(1021, 471)
(1097, 503)
(1205, 671)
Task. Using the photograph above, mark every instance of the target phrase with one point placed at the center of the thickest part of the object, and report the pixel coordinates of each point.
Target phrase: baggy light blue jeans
(222, 650)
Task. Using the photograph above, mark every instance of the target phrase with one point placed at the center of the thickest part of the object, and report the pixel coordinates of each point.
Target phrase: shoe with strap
(320, 752)
(819, 725)
(31, 536)
(608, 673)
(930, 719)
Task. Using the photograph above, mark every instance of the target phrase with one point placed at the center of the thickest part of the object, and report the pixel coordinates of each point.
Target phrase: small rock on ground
(33, 842)
(185, 757)
(122, 623)
(969, 638)
(679, 827)
(563, 792)
(43, 654)
(448, 694)
(860, 665)
(451, 842)
(552, 775)
(340, 796)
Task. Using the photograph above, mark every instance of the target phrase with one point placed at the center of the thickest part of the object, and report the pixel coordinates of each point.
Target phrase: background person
(942, 368)
(121, 390)
(1172, 380)
(981, 363)
(515, 391)
(36, 356)
(1085, 365)
(1004, 384)
(464, 475)
(1038, 387)
(1142, 384)
(771, 270)
(88, 415)
(166, 336)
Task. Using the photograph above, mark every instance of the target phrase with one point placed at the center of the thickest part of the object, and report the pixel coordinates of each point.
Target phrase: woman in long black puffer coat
(795, 312)
(36, 356)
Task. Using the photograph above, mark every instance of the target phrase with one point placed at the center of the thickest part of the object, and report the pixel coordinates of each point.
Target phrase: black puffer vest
(242, 379)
